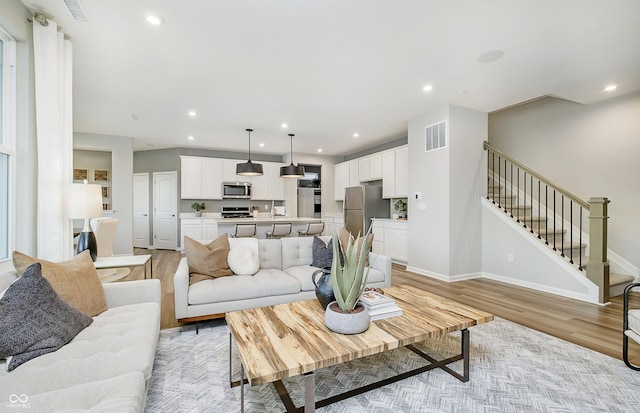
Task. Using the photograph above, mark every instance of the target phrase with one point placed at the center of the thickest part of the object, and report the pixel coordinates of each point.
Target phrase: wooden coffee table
(291, 339)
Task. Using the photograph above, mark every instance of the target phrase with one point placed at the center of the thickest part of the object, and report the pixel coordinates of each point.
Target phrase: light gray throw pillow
(34, 320)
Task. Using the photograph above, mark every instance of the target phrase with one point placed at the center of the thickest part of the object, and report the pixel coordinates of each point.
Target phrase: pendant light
(249, 168)
(292, 171)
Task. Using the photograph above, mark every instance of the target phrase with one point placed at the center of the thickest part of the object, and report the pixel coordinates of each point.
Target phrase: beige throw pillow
(76, 281)
(344, 235)
(207, 262)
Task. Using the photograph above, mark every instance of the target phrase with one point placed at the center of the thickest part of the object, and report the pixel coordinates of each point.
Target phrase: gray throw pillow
(34, 320)
(323, 253)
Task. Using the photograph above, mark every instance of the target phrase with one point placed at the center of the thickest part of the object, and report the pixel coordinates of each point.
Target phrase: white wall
(445, 227)
(121, 183)
(429, 174)
(468, 166)
(590, 150)
(533, 265)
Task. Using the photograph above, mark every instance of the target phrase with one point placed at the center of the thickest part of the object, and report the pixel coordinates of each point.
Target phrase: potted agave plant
(346, 315)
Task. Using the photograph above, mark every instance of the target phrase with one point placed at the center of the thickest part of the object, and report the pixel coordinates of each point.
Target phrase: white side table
(119, 261)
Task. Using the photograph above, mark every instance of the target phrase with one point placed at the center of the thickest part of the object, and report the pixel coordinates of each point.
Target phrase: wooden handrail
(487, 146)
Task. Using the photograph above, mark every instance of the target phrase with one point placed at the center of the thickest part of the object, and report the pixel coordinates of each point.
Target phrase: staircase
(553, 216)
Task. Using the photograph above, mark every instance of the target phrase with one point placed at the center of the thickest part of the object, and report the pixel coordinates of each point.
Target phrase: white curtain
(52, 59)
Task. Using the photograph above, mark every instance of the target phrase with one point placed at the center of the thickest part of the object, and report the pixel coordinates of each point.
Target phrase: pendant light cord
(291, 135)
(249, 130)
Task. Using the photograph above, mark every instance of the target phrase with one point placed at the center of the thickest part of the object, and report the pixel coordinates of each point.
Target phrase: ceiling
(331, 68)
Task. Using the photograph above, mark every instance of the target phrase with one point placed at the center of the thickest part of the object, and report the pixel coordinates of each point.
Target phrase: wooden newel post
(598, 265)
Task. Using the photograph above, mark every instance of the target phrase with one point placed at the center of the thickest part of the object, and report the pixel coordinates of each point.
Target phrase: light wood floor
(596, 327)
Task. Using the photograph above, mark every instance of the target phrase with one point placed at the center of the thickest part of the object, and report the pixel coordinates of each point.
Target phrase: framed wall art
(80, 174)
(101, 175)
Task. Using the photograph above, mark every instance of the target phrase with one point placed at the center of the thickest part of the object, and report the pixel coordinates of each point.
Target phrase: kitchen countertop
(259, 220)
(266, 220)
(390, 219)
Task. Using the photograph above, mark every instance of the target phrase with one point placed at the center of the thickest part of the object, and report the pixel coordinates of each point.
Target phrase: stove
(236, 212)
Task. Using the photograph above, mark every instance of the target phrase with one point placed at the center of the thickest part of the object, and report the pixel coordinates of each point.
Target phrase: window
(7, 139)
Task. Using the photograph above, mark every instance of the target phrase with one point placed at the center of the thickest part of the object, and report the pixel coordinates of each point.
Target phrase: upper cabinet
(200, 178)
(268, 186)
(354, 178)
(391, 166)
(388, 174)
(341, 180)
(370, 168)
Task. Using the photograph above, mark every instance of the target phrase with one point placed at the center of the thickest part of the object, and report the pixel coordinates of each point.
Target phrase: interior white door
(141, 210)
(165, 207)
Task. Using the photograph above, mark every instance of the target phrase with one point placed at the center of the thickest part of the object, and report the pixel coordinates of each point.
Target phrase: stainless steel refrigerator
(361, 203)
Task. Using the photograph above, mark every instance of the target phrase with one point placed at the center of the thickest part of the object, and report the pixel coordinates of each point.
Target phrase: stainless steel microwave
(236, 190)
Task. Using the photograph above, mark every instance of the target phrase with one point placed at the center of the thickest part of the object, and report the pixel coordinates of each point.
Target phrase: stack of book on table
(379, 305)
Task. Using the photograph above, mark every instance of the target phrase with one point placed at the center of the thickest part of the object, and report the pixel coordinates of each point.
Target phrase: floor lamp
(86, 203)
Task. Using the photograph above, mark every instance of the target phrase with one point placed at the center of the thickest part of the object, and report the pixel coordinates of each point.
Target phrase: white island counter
(209, 226)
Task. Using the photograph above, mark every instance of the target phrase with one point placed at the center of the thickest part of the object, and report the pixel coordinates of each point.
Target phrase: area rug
(513, 369)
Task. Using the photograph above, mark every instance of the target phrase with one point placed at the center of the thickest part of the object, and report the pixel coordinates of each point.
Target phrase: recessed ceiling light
(192, 114)
(490, 56)
(190, 138)
(610, 88)
(427, 88)
(319, 149)
(356, 135)
(284, 126)
(154, 19)
(262, 144)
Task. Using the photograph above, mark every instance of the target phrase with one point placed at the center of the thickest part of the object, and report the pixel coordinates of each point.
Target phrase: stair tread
(616, 279)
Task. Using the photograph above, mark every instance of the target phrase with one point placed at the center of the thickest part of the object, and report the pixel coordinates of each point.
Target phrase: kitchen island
(209, 226)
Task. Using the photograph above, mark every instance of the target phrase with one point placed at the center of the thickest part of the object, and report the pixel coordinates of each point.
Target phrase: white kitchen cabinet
(229, 171)
(363, 169)
(375, 167)
(341, 180)
(332, 223)
(209, 229)
(269, 186)
(354, 178)
(190, 227)
(396, 240)
(391, 239)
(395, 173)
(200, 178)
(198, 229)
(211, 178)
(389, 174)
(377, 228)
(402, 172)
(190, 177)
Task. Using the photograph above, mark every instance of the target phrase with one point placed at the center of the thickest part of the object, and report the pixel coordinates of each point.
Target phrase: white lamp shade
(85, 201)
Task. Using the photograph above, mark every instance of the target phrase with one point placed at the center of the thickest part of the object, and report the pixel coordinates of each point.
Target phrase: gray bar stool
(245, 230)
(279, 231)
(313, 228)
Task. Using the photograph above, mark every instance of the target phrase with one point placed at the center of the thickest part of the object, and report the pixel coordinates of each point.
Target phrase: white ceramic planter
(346, 323)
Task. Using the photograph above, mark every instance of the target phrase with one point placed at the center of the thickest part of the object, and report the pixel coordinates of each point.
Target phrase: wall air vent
(435, 136)
(77, 10)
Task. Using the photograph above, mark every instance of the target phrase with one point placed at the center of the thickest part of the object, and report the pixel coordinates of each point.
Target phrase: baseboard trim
(442, 277)
(544, 288)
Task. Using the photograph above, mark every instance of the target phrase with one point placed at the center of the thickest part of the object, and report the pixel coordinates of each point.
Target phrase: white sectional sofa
(105, 368)
(284, 276)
